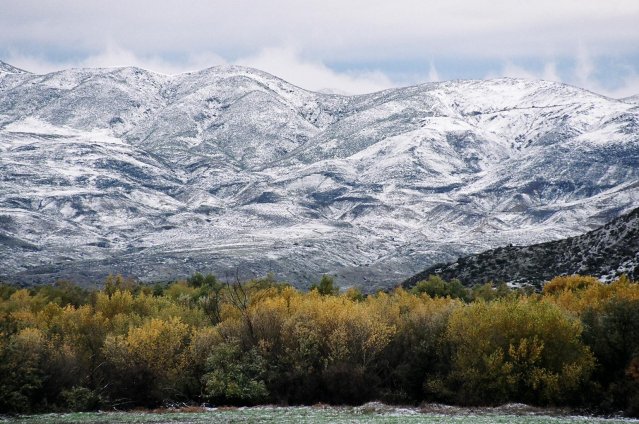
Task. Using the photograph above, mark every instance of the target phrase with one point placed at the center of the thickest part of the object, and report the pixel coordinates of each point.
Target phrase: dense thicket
(575, 344)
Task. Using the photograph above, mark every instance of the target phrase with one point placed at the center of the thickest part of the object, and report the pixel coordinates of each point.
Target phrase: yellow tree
(516, 349)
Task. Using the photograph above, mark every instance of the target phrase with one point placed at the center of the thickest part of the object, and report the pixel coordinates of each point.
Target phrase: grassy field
(319, 414)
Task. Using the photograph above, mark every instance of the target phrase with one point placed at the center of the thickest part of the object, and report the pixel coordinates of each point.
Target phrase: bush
(516, 350)
(234, 376)
(148, 365)
(81, 399)
(613, 335)
(569, 282)
(326, 286)
(435, 286)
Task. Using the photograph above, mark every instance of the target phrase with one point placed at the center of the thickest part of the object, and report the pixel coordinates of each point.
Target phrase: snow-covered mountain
(6, 68)
(124, 170)
(632, 99)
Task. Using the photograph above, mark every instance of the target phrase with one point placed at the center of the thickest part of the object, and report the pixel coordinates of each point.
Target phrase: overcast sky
(351, 46)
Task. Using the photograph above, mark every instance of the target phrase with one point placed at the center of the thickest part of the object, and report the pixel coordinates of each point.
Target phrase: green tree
(235, 376)
(22, 359)
(613, 335)
(435, 286)
(326, 286)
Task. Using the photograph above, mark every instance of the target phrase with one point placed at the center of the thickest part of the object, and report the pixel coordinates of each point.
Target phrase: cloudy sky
(351, 46)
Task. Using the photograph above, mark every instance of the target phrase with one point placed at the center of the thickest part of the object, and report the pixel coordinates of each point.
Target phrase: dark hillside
(606, 252)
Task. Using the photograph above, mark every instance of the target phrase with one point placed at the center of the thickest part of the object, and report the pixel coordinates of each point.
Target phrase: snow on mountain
(6, 68)
(124, 170)
(632, 99)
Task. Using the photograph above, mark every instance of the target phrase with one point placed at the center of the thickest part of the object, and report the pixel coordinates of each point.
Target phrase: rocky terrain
(607, 252)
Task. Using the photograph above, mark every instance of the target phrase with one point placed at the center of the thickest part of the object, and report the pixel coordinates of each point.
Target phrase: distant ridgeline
(606, 252)
(125, 171)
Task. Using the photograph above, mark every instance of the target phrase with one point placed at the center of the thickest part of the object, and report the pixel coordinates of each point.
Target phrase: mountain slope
(632, 99)
(6, 68)
(606, 252)
(124, 170)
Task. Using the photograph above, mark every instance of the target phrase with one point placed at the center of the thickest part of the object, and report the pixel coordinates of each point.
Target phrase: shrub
(234, 376)
(516, 350)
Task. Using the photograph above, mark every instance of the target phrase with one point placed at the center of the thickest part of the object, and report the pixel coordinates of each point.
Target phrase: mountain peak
(9, 69)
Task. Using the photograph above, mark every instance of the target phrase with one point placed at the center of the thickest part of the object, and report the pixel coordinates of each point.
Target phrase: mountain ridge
(160, 176)
(5, 67)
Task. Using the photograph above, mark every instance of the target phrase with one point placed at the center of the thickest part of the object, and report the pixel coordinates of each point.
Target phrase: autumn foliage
(204, 341)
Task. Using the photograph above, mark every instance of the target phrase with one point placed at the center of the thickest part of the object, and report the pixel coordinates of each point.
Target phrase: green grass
(365, 414)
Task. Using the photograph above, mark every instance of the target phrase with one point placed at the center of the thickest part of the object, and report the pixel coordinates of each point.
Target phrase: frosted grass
(364, 414)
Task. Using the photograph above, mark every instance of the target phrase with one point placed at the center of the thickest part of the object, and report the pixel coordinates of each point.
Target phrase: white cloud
(585, 76)
(584, 68)
(287, 64)
(582, 74)
(433, 75)
(115, 56)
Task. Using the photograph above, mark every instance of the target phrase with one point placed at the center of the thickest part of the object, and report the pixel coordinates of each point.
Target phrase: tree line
(127, 345)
